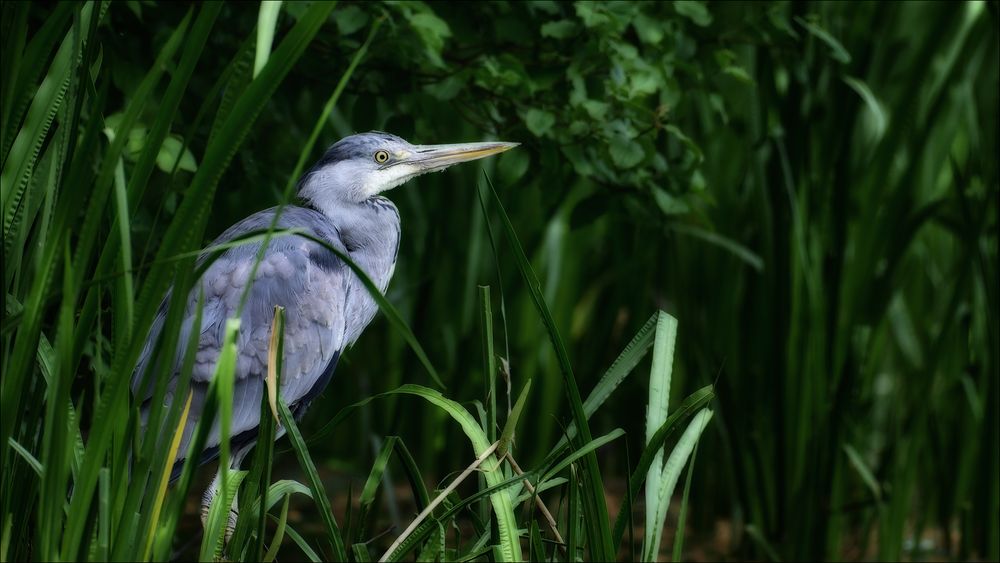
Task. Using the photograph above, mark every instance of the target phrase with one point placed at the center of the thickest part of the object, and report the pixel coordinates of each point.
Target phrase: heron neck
(370, 230)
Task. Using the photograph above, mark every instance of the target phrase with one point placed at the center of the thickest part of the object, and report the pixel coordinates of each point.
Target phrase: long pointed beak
(439, 157)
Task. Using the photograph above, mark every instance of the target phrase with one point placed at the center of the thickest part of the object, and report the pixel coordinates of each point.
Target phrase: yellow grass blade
(165, 478)
(273, 351)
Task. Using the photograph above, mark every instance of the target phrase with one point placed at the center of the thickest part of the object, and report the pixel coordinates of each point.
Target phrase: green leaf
(586, 449)
(593, 14)
(170, 153)
(502, 506)
(863, 471)
(432, 31)
(728, 244)
(879, 118)
(350, 19)
(625, 153)
(837, 50)
(694, 11)
(649, 30)
(539, 121)
(301, 543)
(669, 204)
(560, 29)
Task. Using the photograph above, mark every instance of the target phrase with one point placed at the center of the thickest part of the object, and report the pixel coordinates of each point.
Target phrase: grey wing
(302, 276)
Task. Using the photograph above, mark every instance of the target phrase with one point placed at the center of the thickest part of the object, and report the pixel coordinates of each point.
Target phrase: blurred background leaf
(811, 189)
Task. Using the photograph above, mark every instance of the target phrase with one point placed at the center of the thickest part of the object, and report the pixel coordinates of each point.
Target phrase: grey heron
(326, 305)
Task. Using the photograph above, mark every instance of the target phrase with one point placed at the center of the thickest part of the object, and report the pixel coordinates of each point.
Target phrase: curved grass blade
(301, 542)
(420, 496)
(692, 404)
(502, 507)
(509, 427)
(427, 526)
(587, 448)
(372, 484)
(487, 453)
(278, 490)
(595, 505)
(279, 533)
(315, 484)
(671, 473)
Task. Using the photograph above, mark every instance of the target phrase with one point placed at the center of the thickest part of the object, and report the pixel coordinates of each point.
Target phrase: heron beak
(438, 157)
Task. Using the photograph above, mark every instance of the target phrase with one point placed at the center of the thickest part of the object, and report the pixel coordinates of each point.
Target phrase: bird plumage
(326, 304)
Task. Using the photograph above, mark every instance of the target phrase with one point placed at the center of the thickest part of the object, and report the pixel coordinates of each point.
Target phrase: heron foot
(206, 504)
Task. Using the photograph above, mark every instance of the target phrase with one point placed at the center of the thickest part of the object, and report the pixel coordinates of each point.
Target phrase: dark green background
(811, 189)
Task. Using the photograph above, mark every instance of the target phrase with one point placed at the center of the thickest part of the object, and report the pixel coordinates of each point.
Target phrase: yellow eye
(381, 157)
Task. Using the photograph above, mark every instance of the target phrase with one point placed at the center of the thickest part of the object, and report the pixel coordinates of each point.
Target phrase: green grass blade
(279, 533)
(162, 489)
(537, 548)
(56, 444)
(32, 462)
(761, 542)
(315, 484)
(599, 531)
(224, 378)
(587, 449)
(671, 473)
(375, 477)
(691, 405)
(420, 495)
(430, 525)
(24, 152)
(510, 427)
(19, 92)
(267, 21)
(634, 352)
(682, 517)
(279, 489)
(656, 413)
(302, 543)
(489, 364)
(502, 507)
(573, 517)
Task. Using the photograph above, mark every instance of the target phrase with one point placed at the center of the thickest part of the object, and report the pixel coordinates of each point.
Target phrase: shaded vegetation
(810, 190)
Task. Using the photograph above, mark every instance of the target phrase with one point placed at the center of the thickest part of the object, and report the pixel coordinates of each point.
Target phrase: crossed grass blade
(595, 506)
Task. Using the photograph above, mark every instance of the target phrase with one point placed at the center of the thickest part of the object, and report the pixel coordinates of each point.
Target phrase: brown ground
(700, 545)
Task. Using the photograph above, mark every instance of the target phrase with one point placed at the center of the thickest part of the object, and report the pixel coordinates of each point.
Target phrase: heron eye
(381, 157)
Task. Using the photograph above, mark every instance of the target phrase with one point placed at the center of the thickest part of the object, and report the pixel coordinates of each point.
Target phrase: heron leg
(213, 489)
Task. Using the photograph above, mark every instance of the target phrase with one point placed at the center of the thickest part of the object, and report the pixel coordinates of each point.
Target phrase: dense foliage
(810, 189)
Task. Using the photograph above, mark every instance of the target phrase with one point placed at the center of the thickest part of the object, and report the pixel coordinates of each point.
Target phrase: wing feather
(296, 273)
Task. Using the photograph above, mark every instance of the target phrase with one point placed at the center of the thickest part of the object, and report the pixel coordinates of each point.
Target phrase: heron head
(361, 166)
